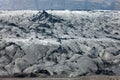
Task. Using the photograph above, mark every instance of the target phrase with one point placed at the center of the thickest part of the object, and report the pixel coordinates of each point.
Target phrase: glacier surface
(59, 43)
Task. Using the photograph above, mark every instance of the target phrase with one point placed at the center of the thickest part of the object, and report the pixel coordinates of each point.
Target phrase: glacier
(59, 43)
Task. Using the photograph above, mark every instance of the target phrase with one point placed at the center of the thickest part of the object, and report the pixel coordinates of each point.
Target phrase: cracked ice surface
(59, 43)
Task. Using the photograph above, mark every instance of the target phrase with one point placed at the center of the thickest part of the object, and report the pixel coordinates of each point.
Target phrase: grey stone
(2, 53)
(2, 44)
(20, 65)
(10, 68)
(3, 73)
(19, 53)
(4, 60)
(85, 66)
(11, 50)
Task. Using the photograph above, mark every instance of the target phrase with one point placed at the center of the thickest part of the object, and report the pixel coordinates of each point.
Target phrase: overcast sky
(60, 4)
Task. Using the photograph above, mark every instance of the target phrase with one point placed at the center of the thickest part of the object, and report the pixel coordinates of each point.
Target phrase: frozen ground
(59, 43)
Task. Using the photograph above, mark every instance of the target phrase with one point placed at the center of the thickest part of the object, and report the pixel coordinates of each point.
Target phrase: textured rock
(2, 45)
(10, 51)
(3, 73)
(59, 43)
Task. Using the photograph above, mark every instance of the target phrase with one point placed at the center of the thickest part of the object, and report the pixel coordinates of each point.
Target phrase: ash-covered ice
(59, 43)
